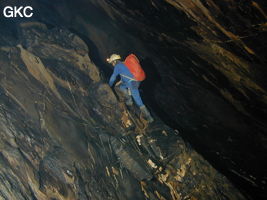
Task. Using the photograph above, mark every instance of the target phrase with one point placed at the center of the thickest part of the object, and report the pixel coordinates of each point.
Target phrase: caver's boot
(146, 114)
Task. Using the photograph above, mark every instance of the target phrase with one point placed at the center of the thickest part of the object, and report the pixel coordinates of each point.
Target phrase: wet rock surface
(205, 63)
(64, 136)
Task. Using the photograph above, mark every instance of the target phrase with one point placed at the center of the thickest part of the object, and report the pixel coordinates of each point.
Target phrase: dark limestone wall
(210, 81)
(205, 62)
(64, 134)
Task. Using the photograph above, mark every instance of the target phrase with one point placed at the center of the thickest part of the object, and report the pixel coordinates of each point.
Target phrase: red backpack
(132, 63)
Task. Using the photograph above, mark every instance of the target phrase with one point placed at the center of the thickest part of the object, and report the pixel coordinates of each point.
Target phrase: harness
(131, 79)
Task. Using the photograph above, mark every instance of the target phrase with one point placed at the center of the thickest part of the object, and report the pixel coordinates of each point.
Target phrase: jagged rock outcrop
(64, 134)
(205, 63)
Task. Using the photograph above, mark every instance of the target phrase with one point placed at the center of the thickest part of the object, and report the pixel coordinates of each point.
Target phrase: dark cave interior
(205, 62)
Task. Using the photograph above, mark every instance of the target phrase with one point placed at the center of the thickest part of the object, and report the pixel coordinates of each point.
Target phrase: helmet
(113, 57)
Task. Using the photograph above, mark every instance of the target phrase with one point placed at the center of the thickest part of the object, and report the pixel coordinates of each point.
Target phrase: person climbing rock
(131, 75)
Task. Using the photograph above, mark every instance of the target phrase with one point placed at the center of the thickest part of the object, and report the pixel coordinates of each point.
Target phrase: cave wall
(65, 135)
(210, 78)
(206, 76)
(205, 62)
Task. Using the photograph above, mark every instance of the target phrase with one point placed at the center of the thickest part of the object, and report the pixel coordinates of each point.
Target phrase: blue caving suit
(128, 81)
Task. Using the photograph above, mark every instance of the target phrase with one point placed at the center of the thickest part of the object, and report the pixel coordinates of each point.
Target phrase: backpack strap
(131, 79)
